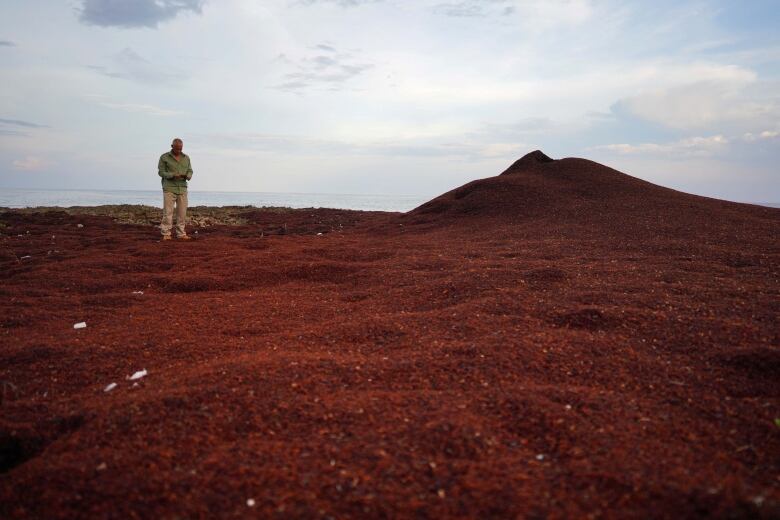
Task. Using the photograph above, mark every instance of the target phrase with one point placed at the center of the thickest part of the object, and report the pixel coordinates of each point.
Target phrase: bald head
(176, 146)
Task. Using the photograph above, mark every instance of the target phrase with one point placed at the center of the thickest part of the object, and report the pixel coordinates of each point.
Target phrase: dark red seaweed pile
(562, 340)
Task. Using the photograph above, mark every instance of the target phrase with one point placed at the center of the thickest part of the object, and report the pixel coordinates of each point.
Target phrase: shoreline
(18, 198)
(198, 216)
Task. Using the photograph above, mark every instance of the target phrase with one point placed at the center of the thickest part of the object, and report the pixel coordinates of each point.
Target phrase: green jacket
(169, 167)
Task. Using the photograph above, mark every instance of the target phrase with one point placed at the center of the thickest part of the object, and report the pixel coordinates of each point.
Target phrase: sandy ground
(562, 340)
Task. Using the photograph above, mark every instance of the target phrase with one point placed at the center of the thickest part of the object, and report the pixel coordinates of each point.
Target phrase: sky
(388, 96)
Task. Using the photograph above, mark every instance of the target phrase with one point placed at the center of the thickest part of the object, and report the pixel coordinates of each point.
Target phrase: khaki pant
(180, 200)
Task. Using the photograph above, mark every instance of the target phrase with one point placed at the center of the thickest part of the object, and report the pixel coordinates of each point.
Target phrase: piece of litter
(138, 292)
(540, 456)
(319, 234)
(26, 256)
(102, 466)
(110, 387)
(79, 225)
(138, 375)
(250, 502)
(80, 325)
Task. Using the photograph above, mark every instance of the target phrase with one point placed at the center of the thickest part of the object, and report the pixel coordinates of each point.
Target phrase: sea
(23, 198)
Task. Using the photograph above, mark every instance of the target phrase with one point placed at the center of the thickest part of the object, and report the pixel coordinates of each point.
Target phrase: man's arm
(162, 169)
(189, 168)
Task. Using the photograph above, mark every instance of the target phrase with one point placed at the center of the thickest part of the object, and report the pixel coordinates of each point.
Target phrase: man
(175, 169)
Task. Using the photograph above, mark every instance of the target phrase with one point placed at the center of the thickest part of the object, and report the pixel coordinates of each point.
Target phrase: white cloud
(30, 164)
(509, 151)
(128, 64)
(533, 14)
(690, 147)
(714, 95)
(470, 148)
(766, 134)
(324, 69)
(342, 3)
(141, 109)
(548, 13)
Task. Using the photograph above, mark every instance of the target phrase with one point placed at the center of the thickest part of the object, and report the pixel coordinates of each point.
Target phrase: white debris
(319, 234)
(138, 292)
(138, 375)
(540, 456)
(250, 502)
(80, 325)
(26, 256)
(110, 387)
(79, 225)
(102, 466)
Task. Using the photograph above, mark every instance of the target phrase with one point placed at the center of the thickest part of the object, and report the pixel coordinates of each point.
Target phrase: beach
(561, 340)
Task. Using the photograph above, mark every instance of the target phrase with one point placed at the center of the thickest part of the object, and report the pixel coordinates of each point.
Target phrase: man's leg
(181, 214)
(167, 218)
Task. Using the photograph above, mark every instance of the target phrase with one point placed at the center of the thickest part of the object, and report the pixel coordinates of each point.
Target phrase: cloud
(105, 71)
(17, 122)
(326, 70)
(461, 9)
(134, 13)
(342, 3)
(7, 43)
(540, 14)
(765, 135)
(128, 64)
(689, 147)
(141, 109)
(475, 8)
(725, 95)
(520, 129)
(30, 164)
(17, 128)
(461, 148)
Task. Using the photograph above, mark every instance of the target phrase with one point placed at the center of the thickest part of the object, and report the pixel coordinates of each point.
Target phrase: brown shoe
(166, 237)
(184, 237)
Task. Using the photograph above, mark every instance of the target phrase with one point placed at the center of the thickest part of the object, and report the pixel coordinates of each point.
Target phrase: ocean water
(21, 198)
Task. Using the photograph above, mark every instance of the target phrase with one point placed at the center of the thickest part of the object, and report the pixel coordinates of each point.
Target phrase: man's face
(176, 147)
